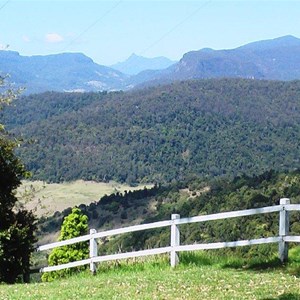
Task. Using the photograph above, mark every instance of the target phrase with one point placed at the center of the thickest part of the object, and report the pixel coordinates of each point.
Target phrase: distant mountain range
(136, 64)
(277, 59)
(272, 59)
(60, 72)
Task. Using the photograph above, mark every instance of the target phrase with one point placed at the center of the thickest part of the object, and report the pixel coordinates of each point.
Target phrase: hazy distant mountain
(136, 64)
(60, 72)
(277, 59)
(281, 42)
(271, 59)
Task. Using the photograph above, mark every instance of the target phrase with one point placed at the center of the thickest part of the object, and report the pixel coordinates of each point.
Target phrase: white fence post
(284, 224)
(93, 250)
(282, 238)
(175, 241)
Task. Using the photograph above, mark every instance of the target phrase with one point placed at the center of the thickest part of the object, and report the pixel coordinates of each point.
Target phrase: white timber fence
(282, 239)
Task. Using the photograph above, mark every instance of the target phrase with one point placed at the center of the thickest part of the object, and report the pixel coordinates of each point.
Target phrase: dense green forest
(190, 198)
(202, 127)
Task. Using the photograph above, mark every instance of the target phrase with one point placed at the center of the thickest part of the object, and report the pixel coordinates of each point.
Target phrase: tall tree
(17, 225)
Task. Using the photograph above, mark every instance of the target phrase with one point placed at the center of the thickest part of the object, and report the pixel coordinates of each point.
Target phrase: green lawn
(154, 279)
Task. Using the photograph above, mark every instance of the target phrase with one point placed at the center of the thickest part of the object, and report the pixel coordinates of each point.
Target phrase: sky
(109, 31)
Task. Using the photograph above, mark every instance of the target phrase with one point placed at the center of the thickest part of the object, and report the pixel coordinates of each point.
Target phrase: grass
(197, 277)
(45, 199)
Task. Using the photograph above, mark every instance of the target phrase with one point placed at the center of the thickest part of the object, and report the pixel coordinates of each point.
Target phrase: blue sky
(110, 31)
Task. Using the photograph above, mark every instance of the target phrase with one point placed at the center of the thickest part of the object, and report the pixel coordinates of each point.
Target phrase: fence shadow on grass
(255, 265)
(285, 296)
(196, 259)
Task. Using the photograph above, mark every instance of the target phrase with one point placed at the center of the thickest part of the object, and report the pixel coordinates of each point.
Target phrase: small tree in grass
(74, 225)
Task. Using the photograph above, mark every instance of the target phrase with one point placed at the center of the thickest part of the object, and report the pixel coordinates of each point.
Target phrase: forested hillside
(204, 128)
(191, 198)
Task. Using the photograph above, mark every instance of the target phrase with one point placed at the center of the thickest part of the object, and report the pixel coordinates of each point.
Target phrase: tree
(17, 225)
(74, 225)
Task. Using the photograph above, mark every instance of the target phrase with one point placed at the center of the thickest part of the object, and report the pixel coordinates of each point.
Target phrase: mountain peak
(280, 42)
(72, 56)
(133, 55)
(9, 53)
(287, 38)
(135, 64)
(207, 49)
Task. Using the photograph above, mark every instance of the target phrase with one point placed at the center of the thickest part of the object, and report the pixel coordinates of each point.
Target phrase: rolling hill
(200, 127)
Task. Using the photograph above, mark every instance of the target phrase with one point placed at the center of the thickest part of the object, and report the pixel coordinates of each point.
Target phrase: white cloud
(3, 47)
(26, 39)
(53, 38)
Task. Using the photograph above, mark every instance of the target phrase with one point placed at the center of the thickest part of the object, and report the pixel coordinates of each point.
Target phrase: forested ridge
(243, 192)
(199, 127)
(191, 198)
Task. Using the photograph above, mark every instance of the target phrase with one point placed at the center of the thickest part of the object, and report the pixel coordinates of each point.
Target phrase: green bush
(74, 225)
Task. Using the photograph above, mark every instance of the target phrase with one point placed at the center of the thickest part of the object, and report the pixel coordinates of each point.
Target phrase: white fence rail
(282, 239)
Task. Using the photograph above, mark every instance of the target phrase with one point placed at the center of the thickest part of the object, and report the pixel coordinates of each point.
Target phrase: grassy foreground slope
(156, 280)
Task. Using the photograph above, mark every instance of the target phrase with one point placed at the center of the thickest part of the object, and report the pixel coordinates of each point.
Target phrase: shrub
(74, 225)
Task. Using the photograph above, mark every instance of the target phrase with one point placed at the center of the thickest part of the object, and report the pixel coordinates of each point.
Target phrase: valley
(47, 198)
